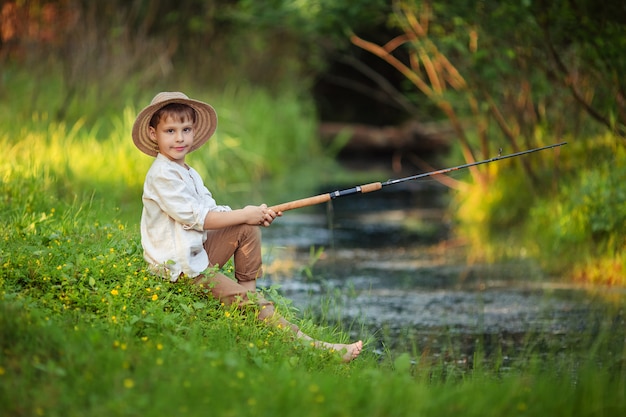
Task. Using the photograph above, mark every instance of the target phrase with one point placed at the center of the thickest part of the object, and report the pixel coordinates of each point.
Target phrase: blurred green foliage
(575, 225)
(584, 222)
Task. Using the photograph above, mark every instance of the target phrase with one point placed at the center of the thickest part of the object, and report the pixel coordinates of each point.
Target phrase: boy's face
(174, 137)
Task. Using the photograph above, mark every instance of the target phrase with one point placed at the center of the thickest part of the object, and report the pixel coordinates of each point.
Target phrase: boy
(183, 230)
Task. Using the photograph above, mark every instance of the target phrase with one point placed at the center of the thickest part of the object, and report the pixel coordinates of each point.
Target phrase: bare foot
(350, 352)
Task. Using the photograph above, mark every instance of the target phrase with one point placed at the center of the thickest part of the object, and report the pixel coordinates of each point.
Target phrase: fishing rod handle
(303, 202)
(373, 186)
(322, 198)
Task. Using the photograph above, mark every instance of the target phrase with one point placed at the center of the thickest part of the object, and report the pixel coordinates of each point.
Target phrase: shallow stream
(388, 271)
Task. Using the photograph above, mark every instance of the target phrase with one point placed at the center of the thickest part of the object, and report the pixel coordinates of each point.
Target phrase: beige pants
(243, 244)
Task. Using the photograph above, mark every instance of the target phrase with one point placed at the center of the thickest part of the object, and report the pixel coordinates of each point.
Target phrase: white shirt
(175, 204)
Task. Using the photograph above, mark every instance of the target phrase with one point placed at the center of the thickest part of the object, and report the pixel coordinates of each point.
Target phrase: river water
(385, 268)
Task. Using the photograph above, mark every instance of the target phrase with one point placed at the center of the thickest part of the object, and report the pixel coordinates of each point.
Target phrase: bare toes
(353, 351)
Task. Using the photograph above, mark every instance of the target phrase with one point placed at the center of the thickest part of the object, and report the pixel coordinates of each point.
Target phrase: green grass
(107, 347)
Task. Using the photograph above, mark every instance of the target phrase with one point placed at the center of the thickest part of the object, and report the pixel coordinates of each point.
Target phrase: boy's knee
(253, 232)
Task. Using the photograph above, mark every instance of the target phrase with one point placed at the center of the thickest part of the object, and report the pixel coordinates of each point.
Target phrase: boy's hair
(177, 111)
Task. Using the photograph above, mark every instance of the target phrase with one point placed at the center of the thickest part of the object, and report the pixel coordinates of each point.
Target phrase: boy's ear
(152, 133)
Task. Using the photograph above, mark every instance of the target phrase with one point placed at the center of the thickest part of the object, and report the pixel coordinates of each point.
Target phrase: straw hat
(206, 121)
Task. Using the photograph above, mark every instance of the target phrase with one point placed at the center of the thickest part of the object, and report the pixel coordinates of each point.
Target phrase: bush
(583, 226)
(574, 222)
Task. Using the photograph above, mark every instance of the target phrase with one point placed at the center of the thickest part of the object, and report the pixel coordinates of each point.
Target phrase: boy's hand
(261, 215)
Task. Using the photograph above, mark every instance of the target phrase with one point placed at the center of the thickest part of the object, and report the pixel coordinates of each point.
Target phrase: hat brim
(206, 123)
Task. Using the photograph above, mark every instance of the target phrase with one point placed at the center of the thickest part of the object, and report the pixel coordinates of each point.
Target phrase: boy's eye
(188, 129)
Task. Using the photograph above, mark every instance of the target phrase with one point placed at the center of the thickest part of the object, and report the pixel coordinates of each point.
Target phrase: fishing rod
(375, 186)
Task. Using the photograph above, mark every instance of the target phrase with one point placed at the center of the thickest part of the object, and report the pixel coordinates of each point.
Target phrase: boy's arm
(252, 215)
